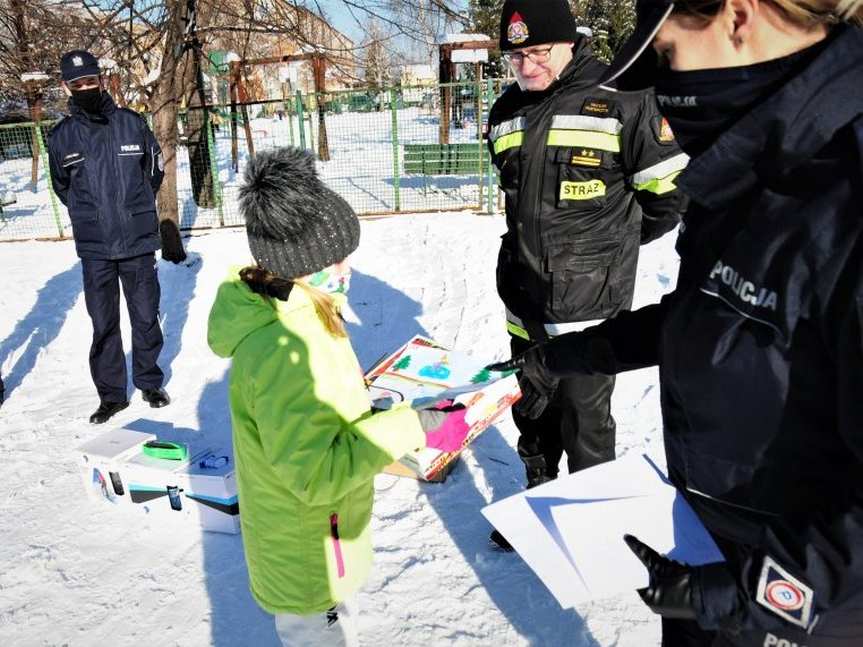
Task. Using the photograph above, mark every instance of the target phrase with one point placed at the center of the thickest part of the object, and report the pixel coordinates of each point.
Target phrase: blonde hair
(808, 13)
(326, 308)
(805, 13)
(267, 284)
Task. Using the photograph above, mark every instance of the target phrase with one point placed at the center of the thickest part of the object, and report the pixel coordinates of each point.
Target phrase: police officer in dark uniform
(106, 167)
(760, 346)
(588, 176)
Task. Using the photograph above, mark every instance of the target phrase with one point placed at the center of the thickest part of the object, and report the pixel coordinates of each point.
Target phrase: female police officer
(760, 346)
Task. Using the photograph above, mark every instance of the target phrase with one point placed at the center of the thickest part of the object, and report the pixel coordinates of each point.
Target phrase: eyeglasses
(537, 56)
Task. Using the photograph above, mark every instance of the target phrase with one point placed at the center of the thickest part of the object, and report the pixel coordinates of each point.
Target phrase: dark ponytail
(265, 283)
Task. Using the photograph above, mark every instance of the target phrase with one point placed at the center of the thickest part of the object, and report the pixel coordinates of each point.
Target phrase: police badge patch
(517, 32)
(784, 595)
(662, 130)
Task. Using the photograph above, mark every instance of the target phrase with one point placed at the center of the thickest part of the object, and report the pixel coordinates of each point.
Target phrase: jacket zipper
(124, 215)
(542, 124)
(337, 546)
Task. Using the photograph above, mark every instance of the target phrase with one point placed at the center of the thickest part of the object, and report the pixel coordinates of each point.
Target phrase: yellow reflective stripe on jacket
(586, 132)
(508, 141)
(507, 134)
(518, 331)
(659, 178)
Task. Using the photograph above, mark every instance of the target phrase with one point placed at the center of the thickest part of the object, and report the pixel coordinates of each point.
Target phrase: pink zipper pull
(337, 546)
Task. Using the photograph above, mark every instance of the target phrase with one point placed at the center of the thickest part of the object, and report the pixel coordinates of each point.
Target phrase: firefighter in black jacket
(106, 167)
(760, 346)
(588, 177)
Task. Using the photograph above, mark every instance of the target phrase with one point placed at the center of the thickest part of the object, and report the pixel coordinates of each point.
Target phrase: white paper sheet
(570, 531)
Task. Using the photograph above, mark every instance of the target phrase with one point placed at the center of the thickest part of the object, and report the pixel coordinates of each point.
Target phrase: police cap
(77, 64)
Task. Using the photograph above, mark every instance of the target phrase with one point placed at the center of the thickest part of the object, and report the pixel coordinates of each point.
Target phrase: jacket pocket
(508, 165)
(144, 224)
(583, 281)
(581, 184)
(86, 228)
(81, 195)
(504, 261)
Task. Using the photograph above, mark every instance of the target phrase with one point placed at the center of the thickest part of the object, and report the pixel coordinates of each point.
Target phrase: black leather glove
(537, 385)
(172, 244)
(706, 593)
(670, 590)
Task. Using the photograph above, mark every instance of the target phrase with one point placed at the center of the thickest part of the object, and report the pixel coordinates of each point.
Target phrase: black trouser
(102, 295)
(577, 420)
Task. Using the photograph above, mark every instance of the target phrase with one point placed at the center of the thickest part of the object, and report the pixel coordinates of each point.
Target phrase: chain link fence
(385, 151)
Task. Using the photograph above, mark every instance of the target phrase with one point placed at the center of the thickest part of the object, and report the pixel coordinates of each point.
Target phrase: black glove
(706, 593)
(172, 244)
(537, 385)
(670, 590)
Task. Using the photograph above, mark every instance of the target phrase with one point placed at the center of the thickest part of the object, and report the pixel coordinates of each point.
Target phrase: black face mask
(701, 104)
(88, 100)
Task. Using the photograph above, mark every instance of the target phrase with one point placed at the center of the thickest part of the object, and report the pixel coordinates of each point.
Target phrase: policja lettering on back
(744, 289)
(771, 640)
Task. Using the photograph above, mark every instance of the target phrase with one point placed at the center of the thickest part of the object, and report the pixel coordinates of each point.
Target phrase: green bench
(444, 159)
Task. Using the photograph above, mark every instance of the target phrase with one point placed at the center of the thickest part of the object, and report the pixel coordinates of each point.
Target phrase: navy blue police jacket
(107, 169)
(760, 350)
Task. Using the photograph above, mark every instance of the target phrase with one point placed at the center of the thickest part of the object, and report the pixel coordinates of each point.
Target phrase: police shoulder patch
(662, 130)
(784, 595)
(596, 106)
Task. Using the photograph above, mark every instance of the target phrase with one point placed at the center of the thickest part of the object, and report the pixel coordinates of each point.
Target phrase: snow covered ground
(80, 573)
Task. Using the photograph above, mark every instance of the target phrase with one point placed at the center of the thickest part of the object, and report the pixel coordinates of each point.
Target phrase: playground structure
(240, 98)
(449, 55)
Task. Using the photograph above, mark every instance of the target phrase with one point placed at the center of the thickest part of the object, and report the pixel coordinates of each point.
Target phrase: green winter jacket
(306, 448)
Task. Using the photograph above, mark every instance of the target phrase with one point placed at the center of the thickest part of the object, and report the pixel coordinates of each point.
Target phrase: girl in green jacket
(306, 445)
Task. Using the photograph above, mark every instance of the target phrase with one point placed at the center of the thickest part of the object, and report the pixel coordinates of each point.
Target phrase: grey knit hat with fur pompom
(295, 224)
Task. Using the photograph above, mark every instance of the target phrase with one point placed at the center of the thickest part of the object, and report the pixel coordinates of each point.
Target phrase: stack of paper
(570, 531)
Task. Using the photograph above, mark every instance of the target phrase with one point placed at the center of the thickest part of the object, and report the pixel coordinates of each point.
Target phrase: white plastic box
(201, 490)
(102, 463)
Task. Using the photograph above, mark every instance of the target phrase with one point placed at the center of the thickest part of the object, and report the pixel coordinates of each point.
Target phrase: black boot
(536, 470)
(156, 397)
(537, 474)
(106, 410)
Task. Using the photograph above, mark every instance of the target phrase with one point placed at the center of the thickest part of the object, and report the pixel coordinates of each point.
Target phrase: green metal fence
(383, 151)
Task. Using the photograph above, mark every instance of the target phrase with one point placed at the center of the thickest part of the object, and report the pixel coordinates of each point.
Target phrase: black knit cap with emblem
(526, 23)
(295, 224)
